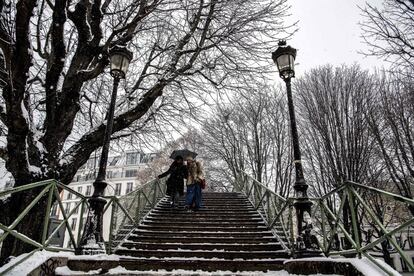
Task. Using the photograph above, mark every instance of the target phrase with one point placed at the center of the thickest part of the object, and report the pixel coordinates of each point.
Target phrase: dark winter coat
(175, 182)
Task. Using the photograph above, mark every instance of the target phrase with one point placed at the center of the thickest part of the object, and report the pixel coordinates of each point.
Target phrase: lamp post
(92, 239)
(284, 57)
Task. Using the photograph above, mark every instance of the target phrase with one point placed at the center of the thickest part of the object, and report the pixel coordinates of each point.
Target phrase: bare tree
(391, 121)
(251, 134)
(389, 32)
(332, 103)
(54, 95)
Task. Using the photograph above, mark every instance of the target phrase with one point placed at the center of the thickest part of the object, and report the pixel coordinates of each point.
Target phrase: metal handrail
(133, 209)
(264, 186)
(52, 189)
(329, 218)
(135, 206)
(270, 206)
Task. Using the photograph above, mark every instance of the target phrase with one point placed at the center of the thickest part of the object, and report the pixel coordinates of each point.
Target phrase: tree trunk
(31, 225)
(386, 252)
(346, 216)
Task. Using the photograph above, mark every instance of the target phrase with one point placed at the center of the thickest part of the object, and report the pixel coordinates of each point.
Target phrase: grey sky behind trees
(329, 33)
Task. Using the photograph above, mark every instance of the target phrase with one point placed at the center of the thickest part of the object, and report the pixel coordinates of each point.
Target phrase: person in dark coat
(175, 183)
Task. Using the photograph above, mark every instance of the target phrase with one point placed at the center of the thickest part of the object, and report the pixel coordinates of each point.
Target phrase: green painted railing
(273, 208)
(126, 212)
(132, 208)
(327, 218)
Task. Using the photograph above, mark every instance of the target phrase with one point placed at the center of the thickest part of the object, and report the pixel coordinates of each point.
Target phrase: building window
(131, 173)
(145, 158)
(109, 174)
(80, 189)
(67, 208)
(114, 161)
(118, 187)
(129, 187)
(132, 158)
(91, 164)
(76, 210)
(81, 223)
(73, 224)
(90, 176)
(53, 212)
(69, 196)
(88, 190)
(343, 242)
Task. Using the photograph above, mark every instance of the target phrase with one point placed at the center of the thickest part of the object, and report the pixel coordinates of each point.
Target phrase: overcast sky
(329, 33)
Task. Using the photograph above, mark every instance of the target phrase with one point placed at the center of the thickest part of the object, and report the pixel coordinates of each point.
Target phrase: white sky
(329, 33)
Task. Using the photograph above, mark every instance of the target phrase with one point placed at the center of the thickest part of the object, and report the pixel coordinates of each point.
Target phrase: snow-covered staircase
(227, 234)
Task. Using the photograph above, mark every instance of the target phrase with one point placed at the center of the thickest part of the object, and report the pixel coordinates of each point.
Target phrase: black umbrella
(184, 153)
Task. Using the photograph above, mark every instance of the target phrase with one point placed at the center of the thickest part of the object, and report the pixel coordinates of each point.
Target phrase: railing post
(138, 212)
(268, 206)
(154, 198)
(111, 227)
(323, 227)
(354, 221)
(291, 226)
(47, 215)
(82, 210)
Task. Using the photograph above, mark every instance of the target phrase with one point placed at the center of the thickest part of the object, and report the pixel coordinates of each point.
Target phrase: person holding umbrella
(175, 183)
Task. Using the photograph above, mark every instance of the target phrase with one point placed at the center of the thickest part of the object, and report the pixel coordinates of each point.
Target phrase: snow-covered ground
(363, 265)
(120, 270)
(31, 263)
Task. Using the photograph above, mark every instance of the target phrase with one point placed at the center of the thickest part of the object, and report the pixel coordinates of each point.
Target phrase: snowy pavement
(34, 261)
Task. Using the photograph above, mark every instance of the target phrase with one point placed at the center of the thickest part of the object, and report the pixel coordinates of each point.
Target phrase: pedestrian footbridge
(249, 228)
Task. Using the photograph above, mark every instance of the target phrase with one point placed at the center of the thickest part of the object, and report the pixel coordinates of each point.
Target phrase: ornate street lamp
(92, 239)
(284, 57)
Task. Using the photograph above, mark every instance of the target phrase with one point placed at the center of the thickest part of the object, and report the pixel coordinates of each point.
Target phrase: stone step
(167, 205)
(215, 198)
(215, 208)
(206, 212)
(205, 245)
(225, 194)
(202, 219)
(212, 199)
(201, 214)
(185, 264)
(228, 240)
(203, 223)
(202, 234)
(201, 228)
(228, 255)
